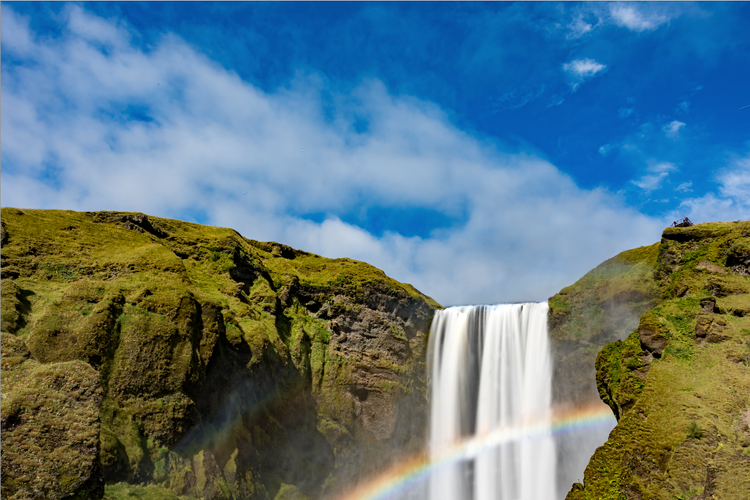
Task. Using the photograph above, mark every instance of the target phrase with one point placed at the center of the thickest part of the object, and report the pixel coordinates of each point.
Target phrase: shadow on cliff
(261, 419)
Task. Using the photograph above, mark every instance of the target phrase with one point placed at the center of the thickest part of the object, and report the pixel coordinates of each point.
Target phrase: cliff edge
(679, 382)
(155, 358)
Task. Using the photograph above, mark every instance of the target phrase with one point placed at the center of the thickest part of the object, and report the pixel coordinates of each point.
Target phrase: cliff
(602, 307)
(161, 359)
(678, 376)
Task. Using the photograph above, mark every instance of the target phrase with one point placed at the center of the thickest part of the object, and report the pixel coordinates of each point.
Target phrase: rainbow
(408, 473)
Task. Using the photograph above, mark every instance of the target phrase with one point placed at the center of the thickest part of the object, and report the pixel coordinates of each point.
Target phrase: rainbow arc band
(408, 473)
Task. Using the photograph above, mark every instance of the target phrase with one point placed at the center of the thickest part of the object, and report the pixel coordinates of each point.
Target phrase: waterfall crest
(491, 370)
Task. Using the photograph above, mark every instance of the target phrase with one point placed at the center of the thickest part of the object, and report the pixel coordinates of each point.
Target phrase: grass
(580, 310)
(132, 296)
(682, 420)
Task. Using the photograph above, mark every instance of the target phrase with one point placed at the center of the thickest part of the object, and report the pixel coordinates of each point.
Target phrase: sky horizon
(483, 152)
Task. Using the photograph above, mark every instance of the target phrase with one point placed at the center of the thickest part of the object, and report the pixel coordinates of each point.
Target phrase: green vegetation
(602, 307)
(203, 355)
(680, 384)
(623, 282)
(694, 430)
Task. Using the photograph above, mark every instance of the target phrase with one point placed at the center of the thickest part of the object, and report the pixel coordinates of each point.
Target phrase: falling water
(491, 370)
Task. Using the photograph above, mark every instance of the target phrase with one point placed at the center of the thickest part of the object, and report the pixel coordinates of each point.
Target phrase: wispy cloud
(655, 176)
(731, 202)
(578, 27)
(581, 70)
(624, 112)
(637, 17)
(168, 131)
(516, 98)
(683, 107)
(672, 129)
(735, 180)
(685, 187)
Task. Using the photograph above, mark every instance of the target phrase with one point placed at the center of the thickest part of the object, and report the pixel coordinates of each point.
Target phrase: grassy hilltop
(676, 370)
(155, 358)
(152, 358)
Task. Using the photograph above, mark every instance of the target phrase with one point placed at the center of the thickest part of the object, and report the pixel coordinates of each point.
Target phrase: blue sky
(484, 152)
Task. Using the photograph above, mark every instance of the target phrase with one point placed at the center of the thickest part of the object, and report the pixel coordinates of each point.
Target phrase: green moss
(680, 416)
(618, 373)
(289, 492)
(625, 282)
(152, 305)
(50, 424)
(124, 491)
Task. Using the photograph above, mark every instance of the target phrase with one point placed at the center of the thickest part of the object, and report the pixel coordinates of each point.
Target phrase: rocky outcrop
(679, 384)
(602, 307)
(50, 426)
(156, 358)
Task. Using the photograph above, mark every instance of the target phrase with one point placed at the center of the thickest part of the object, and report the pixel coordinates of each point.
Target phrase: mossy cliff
(679, 380)
(602, 307)
(154, 358)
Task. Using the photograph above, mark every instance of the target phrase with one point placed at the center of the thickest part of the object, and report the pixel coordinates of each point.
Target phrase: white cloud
(581, 70)
(663, 167)
(637, 17)
(75, 137)
(735, 181)
(15, 35)
(95, 29)
(655, 176)
(650, 182)
(685, 187)
(672, 129)
(578, 27)
(732, 202)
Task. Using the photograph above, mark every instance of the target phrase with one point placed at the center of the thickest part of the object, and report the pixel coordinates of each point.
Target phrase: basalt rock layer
(678, 376)
(156, 358)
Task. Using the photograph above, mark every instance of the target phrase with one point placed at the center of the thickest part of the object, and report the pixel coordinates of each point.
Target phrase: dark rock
(738, 255)
(312, 381)
(715, 334)
(708, 305)
(692, 233)
(132, 221)
(652, 453)
(16, 306)
(702, 326)
(651, 334)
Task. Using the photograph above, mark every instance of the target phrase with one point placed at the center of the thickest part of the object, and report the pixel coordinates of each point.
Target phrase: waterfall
(491, 372)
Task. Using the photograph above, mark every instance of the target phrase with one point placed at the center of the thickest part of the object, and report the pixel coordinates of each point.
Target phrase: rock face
(679, 383)
(602, 307)
(161, 359)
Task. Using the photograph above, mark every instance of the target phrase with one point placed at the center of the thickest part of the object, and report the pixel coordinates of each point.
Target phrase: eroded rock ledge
(679, 384)
(163, 359)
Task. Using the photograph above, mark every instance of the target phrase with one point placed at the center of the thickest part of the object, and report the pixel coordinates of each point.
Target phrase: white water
(491, 369)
